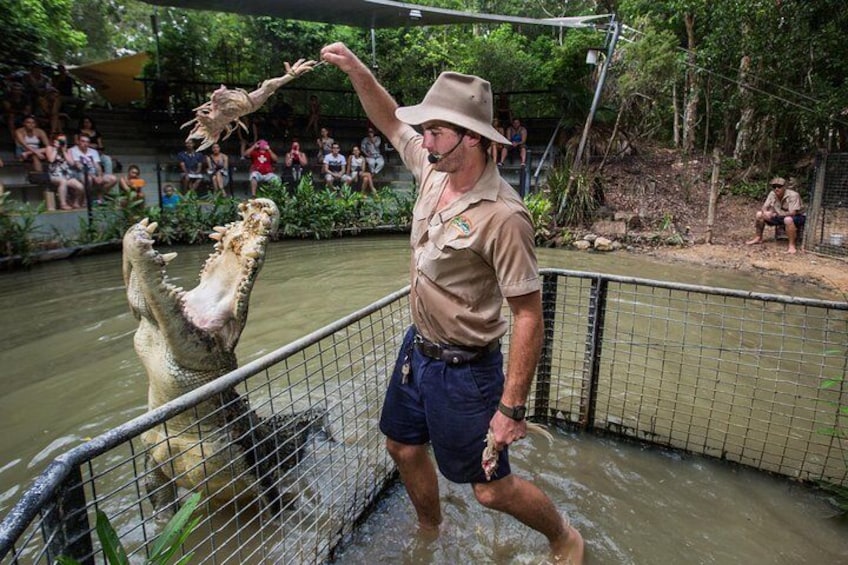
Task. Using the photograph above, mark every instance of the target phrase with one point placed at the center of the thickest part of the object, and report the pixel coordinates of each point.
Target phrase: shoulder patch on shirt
(462, 224)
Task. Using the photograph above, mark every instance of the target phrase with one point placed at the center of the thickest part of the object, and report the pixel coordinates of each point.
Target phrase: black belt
(453, 354)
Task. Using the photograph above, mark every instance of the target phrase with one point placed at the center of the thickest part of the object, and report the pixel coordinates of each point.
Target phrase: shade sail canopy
(115, 79)
(364, 13)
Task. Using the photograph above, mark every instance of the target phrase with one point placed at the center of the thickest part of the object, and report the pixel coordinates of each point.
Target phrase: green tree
(34, 30)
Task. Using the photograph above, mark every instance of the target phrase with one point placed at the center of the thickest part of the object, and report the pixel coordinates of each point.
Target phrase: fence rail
(752, 378)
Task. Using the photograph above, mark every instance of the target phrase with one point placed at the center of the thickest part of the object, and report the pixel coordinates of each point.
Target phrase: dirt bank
(667, 191)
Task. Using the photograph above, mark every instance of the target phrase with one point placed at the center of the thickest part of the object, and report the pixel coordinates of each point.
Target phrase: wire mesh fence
(827, 232)
(287, 453)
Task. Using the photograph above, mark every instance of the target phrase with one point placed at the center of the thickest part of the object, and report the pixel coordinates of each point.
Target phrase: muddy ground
(672, 193)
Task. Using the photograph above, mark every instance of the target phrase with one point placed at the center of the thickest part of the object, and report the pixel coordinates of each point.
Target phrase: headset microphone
(435, 158)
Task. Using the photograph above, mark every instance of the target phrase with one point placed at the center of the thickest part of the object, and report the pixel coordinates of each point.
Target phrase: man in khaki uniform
(472, 246)
(783, 207)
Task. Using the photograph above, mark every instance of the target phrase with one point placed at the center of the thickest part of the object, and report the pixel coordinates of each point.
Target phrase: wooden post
(713, 194)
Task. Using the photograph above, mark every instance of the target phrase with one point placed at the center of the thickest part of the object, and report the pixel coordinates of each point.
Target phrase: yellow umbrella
(114, 79)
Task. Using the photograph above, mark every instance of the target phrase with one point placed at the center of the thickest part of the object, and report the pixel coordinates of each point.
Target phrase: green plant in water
(17, 227)
(164, 547)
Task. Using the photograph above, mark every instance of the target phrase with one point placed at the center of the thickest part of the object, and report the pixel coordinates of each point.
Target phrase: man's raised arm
(378, 103)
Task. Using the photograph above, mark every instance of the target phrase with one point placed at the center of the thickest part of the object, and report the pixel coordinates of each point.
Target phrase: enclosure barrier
(826, 231)
(750, 378)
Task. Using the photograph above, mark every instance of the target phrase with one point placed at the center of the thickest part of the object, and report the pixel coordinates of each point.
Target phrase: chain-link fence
(827, 219)
(749, 378)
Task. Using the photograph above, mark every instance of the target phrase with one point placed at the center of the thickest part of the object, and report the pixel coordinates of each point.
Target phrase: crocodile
(186, 339)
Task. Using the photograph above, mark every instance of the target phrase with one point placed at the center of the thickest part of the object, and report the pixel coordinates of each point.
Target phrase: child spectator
(133, 184)
(170, 198)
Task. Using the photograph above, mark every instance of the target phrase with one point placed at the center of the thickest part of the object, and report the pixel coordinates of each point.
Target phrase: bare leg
(759, 226)
(525, 502)
(791, 233)
(36, 163)
(62, 192)
(253, 184)
(419, 477)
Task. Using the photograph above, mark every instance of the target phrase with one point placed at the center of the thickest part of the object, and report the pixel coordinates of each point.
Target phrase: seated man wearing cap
(783, 207)
(472, 246)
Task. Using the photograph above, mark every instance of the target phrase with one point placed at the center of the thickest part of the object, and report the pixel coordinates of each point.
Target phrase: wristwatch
(517, 413)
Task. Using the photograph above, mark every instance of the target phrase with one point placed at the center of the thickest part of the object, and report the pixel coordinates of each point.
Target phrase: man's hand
(506, 430)
(339, 55)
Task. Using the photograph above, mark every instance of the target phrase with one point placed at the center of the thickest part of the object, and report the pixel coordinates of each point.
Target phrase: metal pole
(607, 60)
(373, 49)
(154, 23)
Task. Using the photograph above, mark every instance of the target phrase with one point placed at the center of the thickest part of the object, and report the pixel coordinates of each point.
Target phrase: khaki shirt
(468, 256)
(789, 205)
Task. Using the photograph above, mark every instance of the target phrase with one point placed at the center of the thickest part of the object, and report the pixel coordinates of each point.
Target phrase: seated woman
(31, 144)
(218, 165)
(95, 141)
(358, 175)
(132, 184)
(70, 191)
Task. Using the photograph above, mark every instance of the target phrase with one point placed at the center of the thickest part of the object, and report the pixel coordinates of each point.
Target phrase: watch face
(518, 412)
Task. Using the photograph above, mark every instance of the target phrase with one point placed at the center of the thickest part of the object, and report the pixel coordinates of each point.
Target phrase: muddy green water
(69, 372)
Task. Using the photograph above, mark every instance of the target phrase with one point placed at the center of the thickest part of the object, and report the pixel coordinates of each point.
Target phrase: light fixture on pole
(592, 55)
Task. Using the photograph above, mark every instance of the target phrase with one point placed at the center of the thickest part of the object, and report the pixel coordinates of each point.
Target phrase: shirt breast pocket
(453, 265)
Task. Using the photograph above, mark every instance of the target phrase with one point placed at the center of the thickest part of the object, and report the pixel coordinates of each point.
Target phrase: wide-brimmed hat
(777, 181)
(462, 100)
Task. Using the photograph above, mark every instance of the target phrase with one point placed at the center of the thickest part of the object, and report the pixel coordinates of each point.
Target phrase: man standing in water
(472, 245)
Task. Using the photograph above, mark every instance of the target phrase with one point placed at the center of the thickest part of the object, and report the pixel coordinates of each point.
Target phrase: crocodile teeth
(216, 236)
(253, 254)
(168, 257)
(220, 229)
(151, 228)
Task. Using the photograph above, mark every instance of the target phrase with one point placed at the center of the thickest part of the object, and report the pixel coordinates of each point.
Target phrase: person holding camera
(69, 190)
(262, 160)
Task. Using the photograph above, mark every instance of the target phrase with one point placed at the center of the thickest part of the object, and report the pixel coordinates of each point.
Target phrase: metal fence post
(591, 360)
(543, 371)
(66, 528)
(815, 210)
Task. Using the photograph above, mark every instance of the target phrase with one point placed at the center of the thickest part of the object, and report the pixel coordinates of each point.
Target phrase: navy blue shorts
(798, 219)
(449, 406)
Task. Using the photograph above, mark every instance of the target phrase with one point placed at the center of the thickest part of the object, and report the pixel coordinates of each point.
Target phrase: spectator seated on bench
(191, 167)
(262, 160)
(16, 107)
(358, 177)
(31, 144)
(334, 167)
(294, 163)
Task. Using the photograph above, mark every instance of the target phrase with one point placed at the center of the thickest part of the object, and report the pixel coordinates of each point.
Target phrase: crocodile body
(186, 339)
